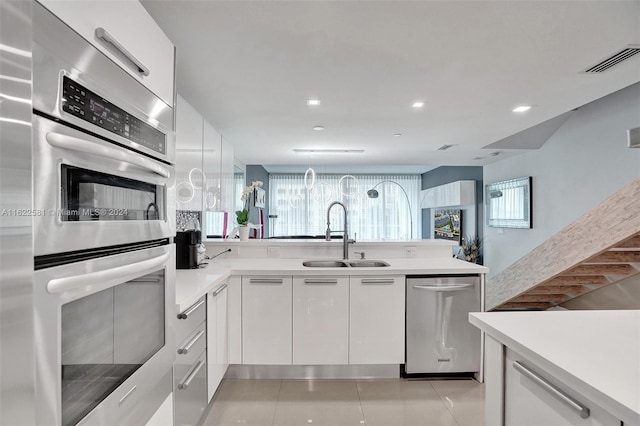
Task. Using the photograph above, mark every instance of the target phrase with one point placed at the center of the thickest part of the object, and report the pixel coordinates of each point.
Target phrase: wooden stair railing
(600, 248)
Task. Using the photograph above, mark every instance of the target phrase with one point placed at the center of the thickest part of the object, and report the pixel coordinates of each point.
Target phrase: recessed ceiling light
(397, 135)
(313, 102)
(418, 104)
(522, 108)
(329, 151)
(318, 128)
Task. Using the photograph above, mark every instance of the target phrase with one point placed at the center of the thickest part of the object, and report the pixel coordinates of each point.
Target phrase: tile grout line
(275, 410)
(445, 405)
(364, 418)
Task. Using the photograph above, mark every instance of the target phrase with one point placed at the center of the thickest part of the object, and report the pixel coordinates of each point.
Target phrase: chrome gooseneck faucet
(345, 239)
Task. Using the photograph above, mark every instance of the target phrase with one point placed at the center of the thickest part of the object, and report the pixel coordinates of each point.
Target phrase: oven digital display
(87, 105)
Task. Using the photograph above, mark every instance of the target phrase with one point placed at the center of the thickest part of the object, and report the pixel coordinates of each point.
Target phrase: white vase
(243, 230)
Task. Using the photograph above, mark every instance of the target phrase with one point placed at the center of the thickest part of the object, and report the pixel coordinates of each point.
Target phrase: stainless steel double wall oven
(103, 170)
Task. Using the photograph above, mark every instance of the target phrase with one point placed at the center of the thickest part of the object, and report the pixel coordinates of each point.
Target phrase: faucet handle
(361, 253)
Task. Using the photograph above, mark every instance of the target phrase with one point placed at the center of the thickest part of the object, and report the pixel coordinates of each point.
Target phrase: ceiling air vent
(444, 147)
(614, 59)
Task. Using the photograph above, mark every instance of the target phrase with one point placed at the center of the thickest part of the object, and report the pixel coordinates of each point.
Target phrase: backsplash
(187, 219)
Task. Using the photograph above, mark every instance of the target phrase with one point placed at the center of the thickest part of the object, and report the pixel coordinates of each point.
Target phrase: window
(303, 211)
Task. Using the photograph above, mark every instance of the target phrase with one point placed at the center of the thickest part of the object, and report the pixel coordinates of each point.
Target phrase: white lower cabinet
(266, 320)
(533, 397)
(217, 338)
(320, 320)
(164, 415)
(376, 325)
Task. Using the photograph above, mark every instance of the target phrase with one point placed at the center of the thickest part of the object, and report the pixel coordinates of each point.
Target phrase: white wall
(583, 163)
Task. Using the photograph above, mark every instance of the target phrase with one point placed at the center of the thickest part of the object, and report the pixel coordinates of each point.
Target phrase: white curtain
(303, 211)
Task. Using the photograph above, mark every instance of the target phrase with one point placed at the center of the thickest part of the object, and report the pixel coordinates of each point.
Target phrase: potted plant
(470, 250)
(242, 216)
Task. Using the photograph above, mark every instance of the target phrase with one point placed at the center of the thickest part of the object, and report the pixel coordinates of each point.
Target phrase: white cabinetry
(211, 163)
(227, 188)
(126, 33)
(320, 320)
(376, 320)
(217, 338)
(520, 392)
(164, 415)
(533, 397)
(204, 164)
(234, 305)
(266, 320)
(189, 194)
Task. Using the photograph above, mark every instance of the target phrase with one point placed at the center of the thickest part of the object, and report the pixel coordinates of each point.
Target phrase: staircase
(598, 249)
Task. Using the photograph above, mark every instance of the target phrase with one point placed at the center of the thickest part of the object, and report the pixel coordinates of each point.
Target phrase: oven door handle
(107, 278)
(89, 147)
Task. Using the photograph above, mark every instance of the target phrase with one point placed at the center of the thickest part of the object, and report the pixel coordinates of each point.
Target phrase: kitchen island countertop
(596, 353)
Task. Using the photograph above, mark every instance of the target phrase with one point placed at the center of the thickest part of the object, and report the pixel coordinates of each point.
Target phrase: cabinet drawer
(187, 320)
(190, 348)
(190, 390)
(534, 397)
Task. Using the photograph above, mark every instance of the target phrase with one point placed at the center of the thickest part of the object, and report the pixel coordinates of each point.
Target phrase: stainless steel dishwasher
(439, 338)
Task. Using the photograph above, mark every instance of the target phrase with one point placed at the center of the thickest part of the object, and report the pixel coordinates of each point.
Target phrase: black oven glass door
(92, 195)
(106, 337)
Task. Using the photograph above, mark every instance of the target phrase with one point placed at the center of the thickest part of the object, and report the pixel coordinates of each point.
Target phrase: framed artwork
(509, 203)
(259, 197)
(447, 225)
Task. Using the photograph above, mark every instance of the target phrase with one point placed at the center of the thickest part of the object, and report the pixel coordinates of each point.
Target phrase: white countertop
(192, 284)
(398, 266)
(597, 353)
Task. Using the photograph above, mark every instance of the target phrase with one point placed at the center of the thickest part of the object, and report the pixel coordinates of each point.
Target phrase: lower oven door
(104, 349)
(91, 192)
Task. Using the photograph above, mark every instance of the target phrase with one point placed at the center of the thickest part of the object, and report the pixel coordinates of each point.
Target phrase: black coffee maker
(187, 243)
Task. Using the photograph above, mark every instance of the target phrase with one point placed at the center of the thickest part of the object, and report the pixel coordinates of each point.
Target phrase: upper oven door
(90, 192)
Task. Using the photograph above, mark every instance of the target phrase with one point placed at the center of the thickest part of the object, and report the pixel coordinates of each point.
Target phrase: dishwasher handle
(454, 287)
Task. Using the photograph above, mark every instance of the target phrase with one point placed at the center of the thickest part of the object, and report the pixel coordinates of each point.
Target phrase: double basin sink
(363, 263)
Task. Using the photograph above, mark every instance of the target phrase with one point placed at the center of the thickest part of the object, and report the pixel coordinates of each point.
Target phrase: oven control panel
(81, 102)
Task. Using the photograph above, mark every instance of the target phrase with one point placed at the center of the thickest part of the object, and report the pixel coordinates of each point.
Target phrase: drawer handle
(266, 281)
(127, 395)
(219, 289)
(189, 311)
(552, 389)
(442, 288)
(377, 281)
(321, 281)
(185, 350)
(102, 34)
(187, 381)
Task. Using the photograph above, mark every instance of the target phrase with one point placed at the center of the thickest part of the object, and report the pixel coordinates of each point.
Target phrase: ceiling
(250, 66)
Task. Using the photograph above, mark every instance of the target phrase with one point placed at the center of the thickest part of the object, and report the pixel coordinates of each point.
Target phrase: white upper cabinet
(227, 189)
(189, 178)
(126, 33)
(211, 158)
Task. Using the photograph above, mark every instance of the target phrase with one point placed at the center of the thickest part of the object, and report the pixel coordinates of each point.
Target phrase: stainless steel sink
(324, 264)
(367, 263)
(344, 263)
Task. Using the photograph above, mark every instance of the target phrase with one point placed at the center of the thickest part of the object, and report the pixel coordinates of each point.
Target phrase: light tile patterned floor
(389, 402)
